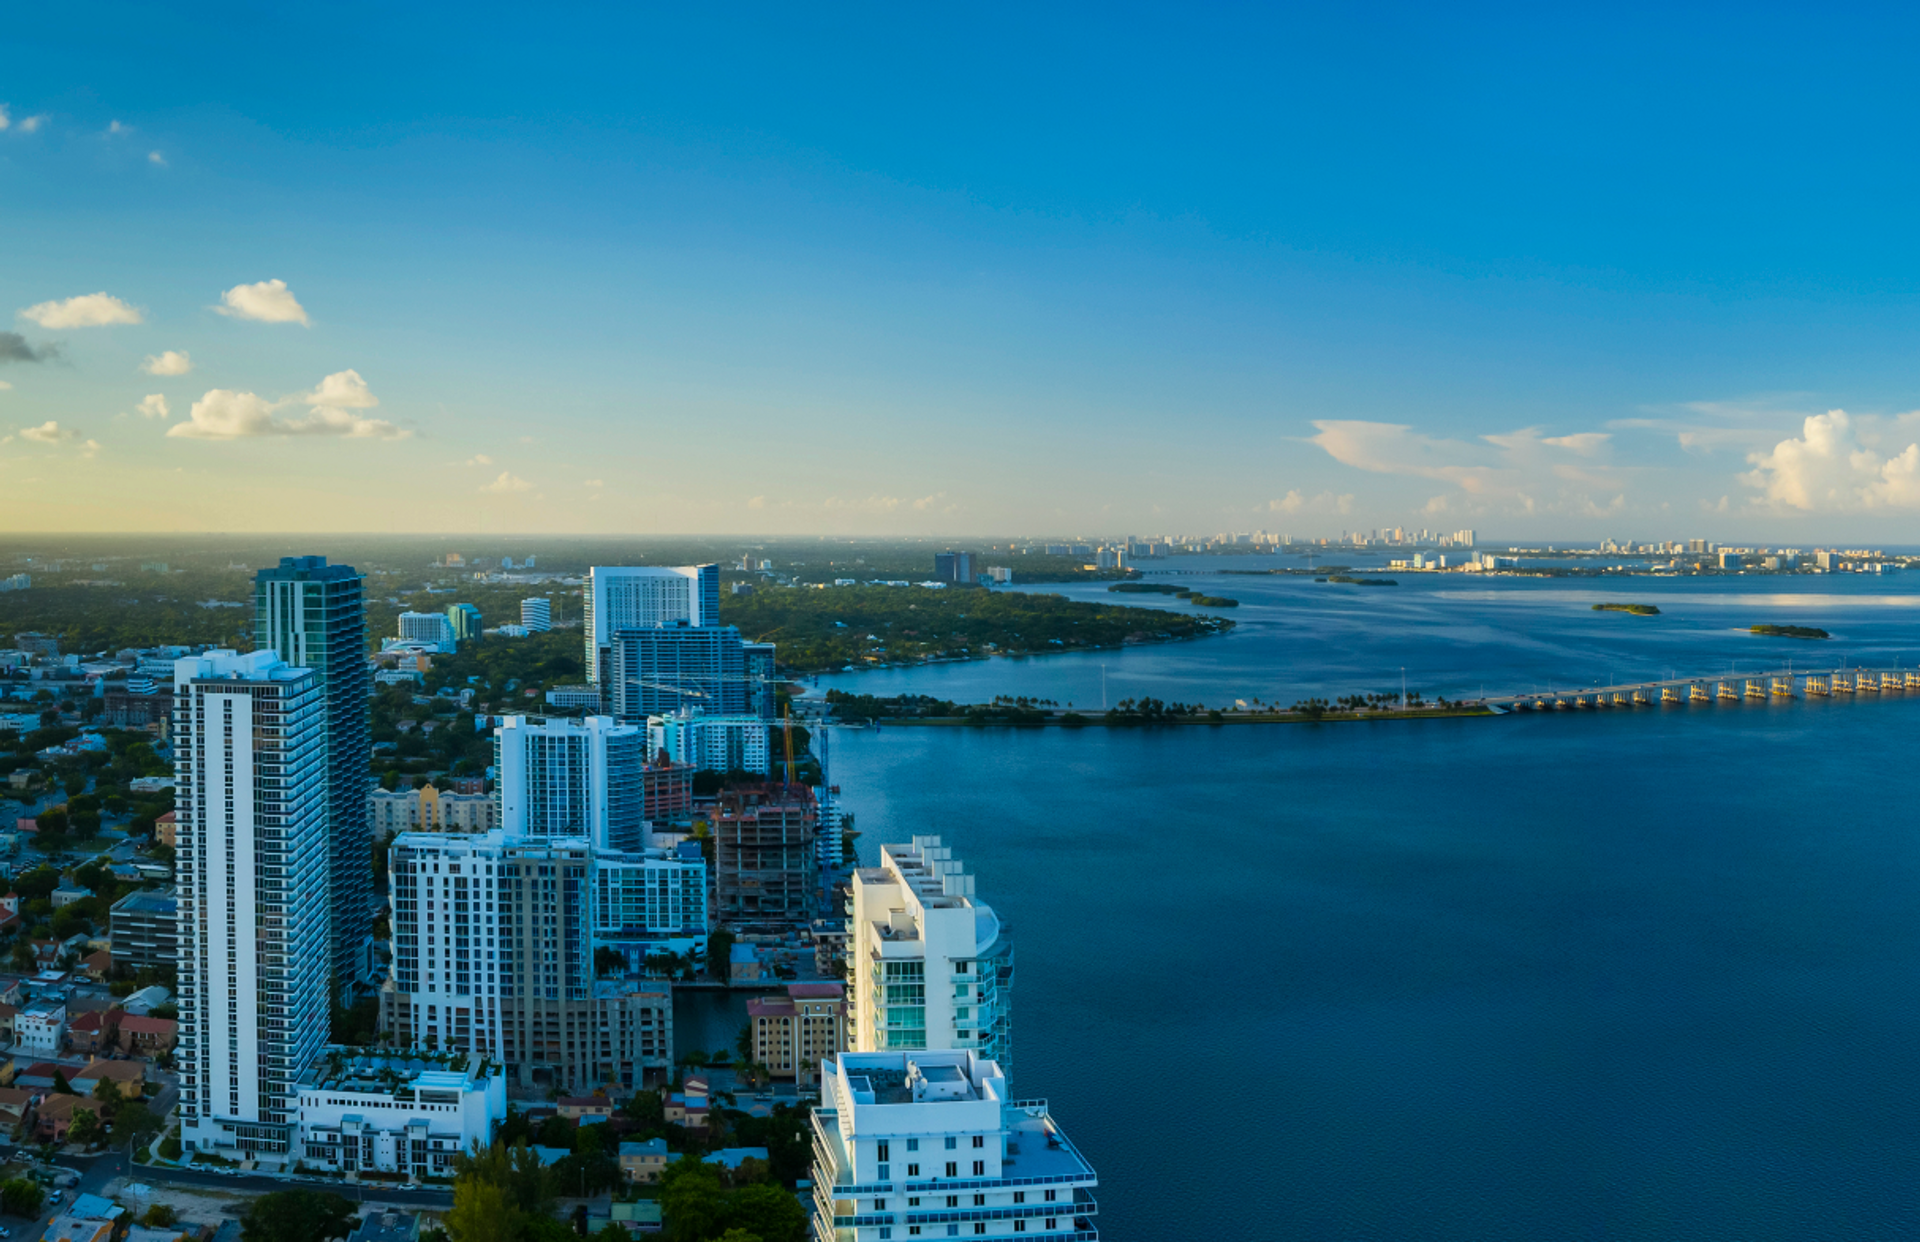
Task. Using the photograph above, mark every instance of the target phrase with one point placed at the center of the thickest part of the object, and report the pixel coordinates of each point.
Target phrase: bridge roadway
(1785, 683)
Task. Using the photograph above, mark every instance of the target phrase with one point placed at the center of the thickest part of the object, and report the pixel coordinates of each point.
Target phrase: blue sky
(1570, 273)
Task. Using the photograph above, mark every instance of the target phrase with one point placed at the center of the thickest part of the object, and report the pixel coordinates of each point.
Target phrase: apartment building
(792, 1034)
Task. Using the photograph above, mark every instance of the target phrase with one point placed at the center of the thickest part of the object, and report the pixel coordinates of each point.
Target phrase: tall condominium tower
(251, 799)
(572, 778)
(312, 615)
(670, 668)
(641, 597)
(931, 966)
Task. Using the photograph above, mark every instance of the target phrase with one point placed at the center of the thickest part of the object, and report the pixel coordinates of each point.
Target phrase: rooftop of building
(147, 901)
(306, 569)
(363, 1071)
(386, 1226)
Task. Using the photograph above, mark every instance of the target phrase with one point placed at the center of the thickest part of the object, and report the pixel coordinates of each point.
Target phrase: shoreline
(1136, 722)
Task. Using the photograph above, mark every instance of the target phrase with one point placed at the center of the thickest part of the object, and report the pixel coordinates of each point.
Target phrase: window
(1019, 1226)
(913, 1170)
(879, 1205)
(913, 1144)
(979, 1168)
(1050, 1195)
(952, 1142)
(980, 1226)
(953, 1170)
(1019, 1196)
(953, 1200)
(881, 1150)
(914, 1201)
(1050, 1222)
(886, 1173)
(979, 1140)
(979, 1201)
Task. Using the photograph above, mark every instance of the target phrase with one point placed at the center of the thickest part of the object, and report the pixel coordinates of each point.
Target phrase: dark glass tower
(313, 615)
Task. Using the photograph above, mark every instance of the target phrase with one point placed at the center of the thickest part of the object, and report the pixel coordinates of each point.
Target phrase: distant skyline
(1636, 273)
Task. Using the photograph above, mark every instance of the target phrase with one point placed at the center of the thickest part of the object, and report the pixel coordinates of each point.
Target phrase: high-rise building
(537, 614)
(312, 615)
(434, 629)
(571, 777)
(494, 948)
(659, 671)
(953, 567)
(710, 743)
(763, 856)
(465, 619)
(251, 806)
(928, 1144)
(640, 597)
(761, 680)
(931, 966)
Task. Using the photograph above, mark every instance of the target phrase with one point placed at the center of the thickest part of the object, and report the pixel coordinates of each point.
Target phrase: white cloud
(32, 124)
(595, 483)
(1828, 468)
(872, 504)
(928, 502)
(507, 483)
(1500, 466)
(154, 157)
(6, 121)
(49, 432)
(480, 459)
(4, 386)
(172, 362)
(226, 415)
(116, 127)
(89, 310)
(153, 405)
(758, 502)
(90, 450)
(1325, 502)
(268, 301)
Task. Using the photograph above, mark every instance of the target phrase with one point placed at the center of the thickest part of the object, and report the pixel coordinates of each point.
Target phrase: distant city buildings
(431, 630)
(465, 620)
(428, 809)
(953, 567)
(537, 614)
(671, 668)
(730, 743)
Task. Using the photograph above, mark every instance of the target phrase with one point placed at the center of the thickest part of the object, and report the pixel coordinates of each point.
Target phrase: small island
(1213, 601)
(1790, 631)
(1638, 610)
(1352, 581)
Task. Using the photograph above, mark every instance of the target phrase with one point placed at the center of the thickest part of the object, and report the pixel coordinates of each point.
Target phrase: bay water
(1647, 973)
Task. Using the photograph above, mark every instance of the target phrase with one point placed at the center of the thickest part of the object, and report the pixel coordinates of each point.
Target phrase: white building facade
(733, 743)
(393, 1113)
(642, 597)
(562, 777)
(254, 894)
(930, 965)
(433, 629)
(537, 615)
(930, 1144)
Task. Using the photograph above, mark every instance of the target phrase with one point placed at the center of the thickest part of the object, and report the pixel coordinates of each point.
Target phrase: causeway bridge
(1785, 683)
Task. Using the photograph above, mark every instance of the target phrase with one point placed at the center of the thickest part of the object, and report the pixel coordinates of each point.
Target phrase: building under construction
(764, 865)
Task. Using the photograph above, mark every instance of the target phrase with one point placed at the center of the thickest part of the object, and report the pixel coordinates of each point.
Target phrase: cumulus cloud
(268, 301)
(16, 348)
(116, 127)
(32, 124)
(154, 157)
(480, 459)
(758, 502)
(1832, 466)
(506, 484)
(595, 483)
(928, 502)
(49, 432)
(90, 450)
(226, 415)
(89, 310)
(1325, 502)
(153, 405)
(172, 362)
(1504, 466)
(6, 118)
(872, 504)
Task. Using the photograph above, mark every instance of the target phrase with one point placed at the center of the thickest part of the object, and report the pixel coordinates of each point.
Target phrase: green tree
(482, 1212)
(297, 1216)
(85, 1129)
(692, 1200)
(768, 1211)
(135, 1121)
(737, 1234)
(20, 1197)
(719, 953)
(160, 1215)
(60, 1084)
(517, 1170)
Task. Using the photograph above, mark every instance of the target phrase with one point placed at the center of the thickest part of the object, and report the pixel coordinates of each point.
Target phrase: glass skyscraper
(312, 615)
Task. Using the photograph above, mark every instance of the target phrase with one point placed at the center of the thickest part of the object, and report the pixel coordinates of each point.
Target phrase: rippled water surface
(1630, 974)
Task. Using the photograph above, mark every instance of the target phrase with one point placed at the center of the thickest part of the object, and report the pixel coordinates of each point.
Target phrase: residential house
(385, 1227)
(165, 829)
(53, 1117)
(643, 1162)
(97, 965)
(15, 1104)
(580, 1107)
(142, 1036)
(92, 1031)
(130, 1077)
(691, 1106)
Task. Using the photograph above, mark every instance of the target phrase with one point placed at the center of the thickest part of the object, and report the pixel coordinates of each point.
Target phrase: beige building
(427, 809)
(792, 1034)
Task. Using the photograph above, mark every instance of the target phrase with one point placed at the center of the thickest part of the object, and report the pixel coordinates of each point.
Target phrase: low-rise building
(643, 1162)
(792, 1034)
(165, 830)
(78, 1229)
(386, 1227)
(428, 809)
(145, 929)
(91, 1031)
(53, 1116)
(576, 1107)
(143, 1036)
(127, 1077)
(40, 1026)
(397, 1113)
(929, 1144)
